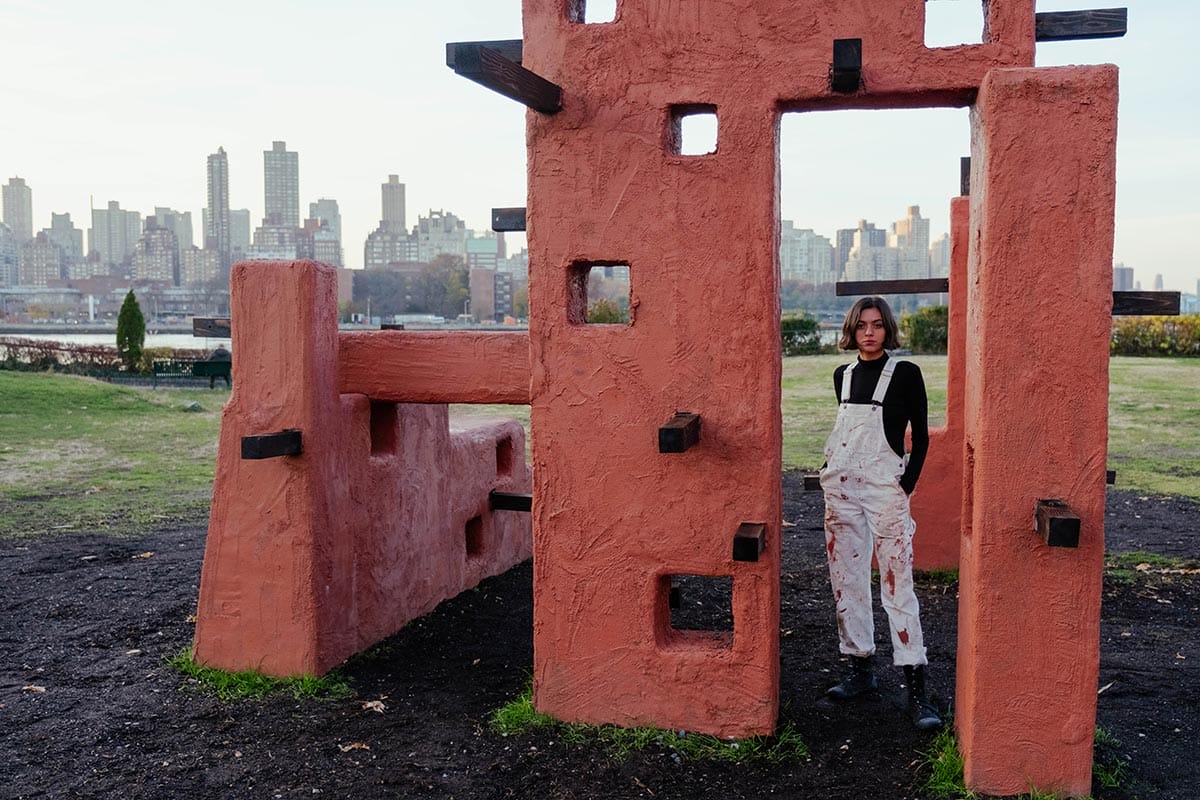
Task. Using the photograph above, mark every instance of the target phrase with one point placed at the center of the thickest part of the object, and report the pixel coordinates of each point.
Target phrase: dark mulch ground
(84, 618)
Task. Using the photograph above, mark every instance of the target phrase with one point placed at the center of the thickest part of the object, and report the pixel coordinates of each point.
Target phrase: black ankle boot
(922, 712)
(860, 680)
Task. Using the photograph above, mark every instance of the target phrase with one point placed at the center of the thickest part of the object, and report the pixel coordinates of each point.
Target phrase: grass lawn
(79, 454)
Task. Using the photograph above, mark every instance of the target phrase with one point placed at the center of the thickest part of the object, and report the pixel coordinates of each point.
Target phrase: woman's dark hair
(891, 337)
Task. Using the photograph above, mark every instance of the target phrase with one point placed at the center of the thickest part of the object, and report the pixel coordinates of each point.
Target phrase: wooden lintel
(214, 327)
(1129, 304)
(1056, 523)
(749, 541)
(508, 219)
(915, 286)
(679, 433)
(489, 67)
(845, 74)
(272, 445)
(1098, 23)
(509, 48)
(509, 501)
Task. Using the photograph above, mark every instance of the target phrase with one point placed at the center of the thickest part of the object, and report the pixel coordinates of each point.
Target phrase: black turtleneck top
(904, 404)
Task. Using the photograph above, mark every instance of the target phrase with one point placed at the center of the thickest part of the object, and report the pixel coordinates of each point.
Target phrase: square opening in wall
(953, 22)
(474, 534)
(700, 606)
(384, 436)
(692, 130)
(504, 457)
(592, 11)
(598, 293)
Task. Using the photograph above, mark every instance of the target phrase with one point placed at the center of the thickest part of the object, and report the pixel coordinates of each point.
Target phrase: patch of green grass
(1110, 768)
(249, 684)
(80, 454)
(945, 576)
(519, 717)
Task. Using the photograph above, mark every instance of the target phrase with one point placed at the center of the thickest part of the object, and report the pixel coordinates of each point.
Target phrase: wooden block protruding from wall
(845, 75)
(812, 482)
(1097, 23)
(510, 501)
(508, 219)
(214, 327)
(1132, 304)
(749, 541)
(1057, 524)
(681, 432)
(964, 176)
(272, 445)
(493, 68)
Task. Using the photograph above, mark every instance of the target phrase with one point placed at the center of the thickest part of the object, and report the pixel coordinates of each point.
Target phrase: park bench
(181, 368)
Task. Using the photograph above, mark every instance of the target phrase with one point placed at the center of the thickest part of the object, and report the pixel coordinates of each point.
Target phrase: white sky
(124, 100)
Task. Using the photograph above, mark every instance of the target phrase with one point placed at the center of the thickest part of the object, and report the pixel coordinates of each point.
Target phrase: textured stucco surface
(1039, 305)
(312, 558)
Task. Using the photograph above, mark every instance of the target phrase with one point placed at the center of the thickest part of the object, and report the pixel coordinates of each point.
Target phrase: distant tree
(131, 332)
(441, 288)
(604, 311)
(926, 330)
(521, 303)
(801, 335)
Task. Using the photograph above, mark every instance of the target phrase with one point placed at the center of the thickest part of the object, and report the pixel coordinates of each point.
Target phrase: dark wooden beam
(489, 67)
(1128, 304)
(845, 74)
(508, 219)
(964, 176)
(914, 286)
(1099, 23)
(749, 541)
(216, 327)
(812, 482)
(1110, 476)
(681, 432)
(272, 445)
(1057, 524)
(509, 48)
(509, 501)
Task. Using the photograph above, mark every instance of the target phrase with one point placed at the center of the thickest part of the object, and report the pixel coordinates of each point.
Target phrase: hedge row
(1156, 336)
(80, 359)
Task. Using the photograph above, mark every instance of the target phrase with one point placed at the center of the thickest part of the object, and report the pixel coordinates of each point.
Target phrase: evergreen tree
(131, 332)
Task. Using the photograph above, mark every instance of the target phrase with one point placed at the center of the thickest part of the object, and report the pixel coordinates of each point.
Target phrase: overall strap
(885, 379)
(846, 382)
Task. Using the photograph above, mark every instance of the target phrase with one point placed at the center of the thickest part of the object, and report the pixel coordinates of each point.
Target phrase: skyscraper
(18, 209)
(1122, 278)
(216, 219)
(910, 236)
(114, 233)
(69, 239)
(394, 220)
(239, 229)
(8, 257)
(281, 183)
(326, 212)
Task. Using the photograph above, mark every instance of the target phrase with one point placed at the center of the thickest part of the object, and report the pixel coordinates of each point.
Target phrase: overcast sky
(124, 100)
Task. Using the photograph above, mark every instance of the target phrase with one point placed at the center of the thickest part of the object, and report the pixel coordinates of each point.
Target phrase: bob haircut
(891, 337)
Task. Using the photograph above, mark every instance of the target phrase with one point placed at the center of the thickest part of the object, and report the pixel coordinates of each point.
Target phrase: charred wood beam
(964, 176)
(490, 67)
(1126, 304)
(916, 286)
(681, 432)
(1100, 23)
(508, 219)
(1057, 524)
(509, 48)
(845, 74)
(749, 541)
(216, 327)
(272, 445)
(509, 501)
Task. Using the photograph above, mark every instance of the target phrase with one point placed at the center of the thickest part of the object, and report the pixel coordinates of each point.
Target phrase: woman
(867, 481)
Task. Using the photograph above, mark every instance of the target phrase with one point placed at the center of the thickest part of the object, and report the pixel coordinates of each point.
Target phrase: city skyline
(362, 93)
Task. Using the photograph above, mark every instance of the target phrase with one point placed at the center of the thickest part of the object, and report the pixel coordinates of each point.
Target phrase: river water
(176, 340)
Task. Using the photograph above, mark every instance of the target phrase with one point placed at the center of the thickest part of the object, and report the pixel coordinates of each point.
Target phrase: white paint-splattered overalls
(864, 506)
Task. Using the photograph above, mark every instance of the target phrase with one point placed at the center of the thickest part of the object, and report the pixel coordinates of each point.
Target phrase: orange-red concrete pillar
(1039, 304)
(937, 502)
(613, 517)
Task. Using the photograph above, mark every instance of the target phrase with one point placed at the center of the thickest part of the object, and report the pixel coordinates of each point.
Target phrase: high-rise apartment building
(326, 212)
(804, 256)
(440, 233)
(281, 184)
(239, 229)
(8, 257)
(1122, 278)
(910, 237)
(69, 239)
(1158, 282)
(870, 235)
(178, 223)
(114, 234)
(217, 235)
(939, 257)
(198, 267)
(394, 218)
(156, 256)
(40, 261)
(868, 261)
(18, 209)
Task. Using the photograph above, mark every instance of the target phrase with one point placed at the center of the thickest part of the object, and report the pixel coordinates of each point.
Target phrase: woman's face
(870, 334)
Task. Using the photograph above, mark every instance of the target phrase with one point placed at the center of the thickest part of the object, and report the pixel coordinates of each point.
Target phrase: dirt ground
(85, 618)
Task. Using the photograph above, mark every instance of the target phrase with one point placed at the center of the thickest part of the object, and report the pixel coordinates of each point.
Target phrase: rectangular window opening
(700, 608)
(593, 11)
(384, 428)
(692, 130)
(598, 293)
(949, 23)
(474, 536)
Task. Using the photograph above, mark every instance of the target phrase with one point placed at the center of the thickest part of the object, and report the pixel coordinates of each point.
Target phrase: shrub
(131, 332)
(605, 311)
(801, 335)
(926, 330)
(1156, 336)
